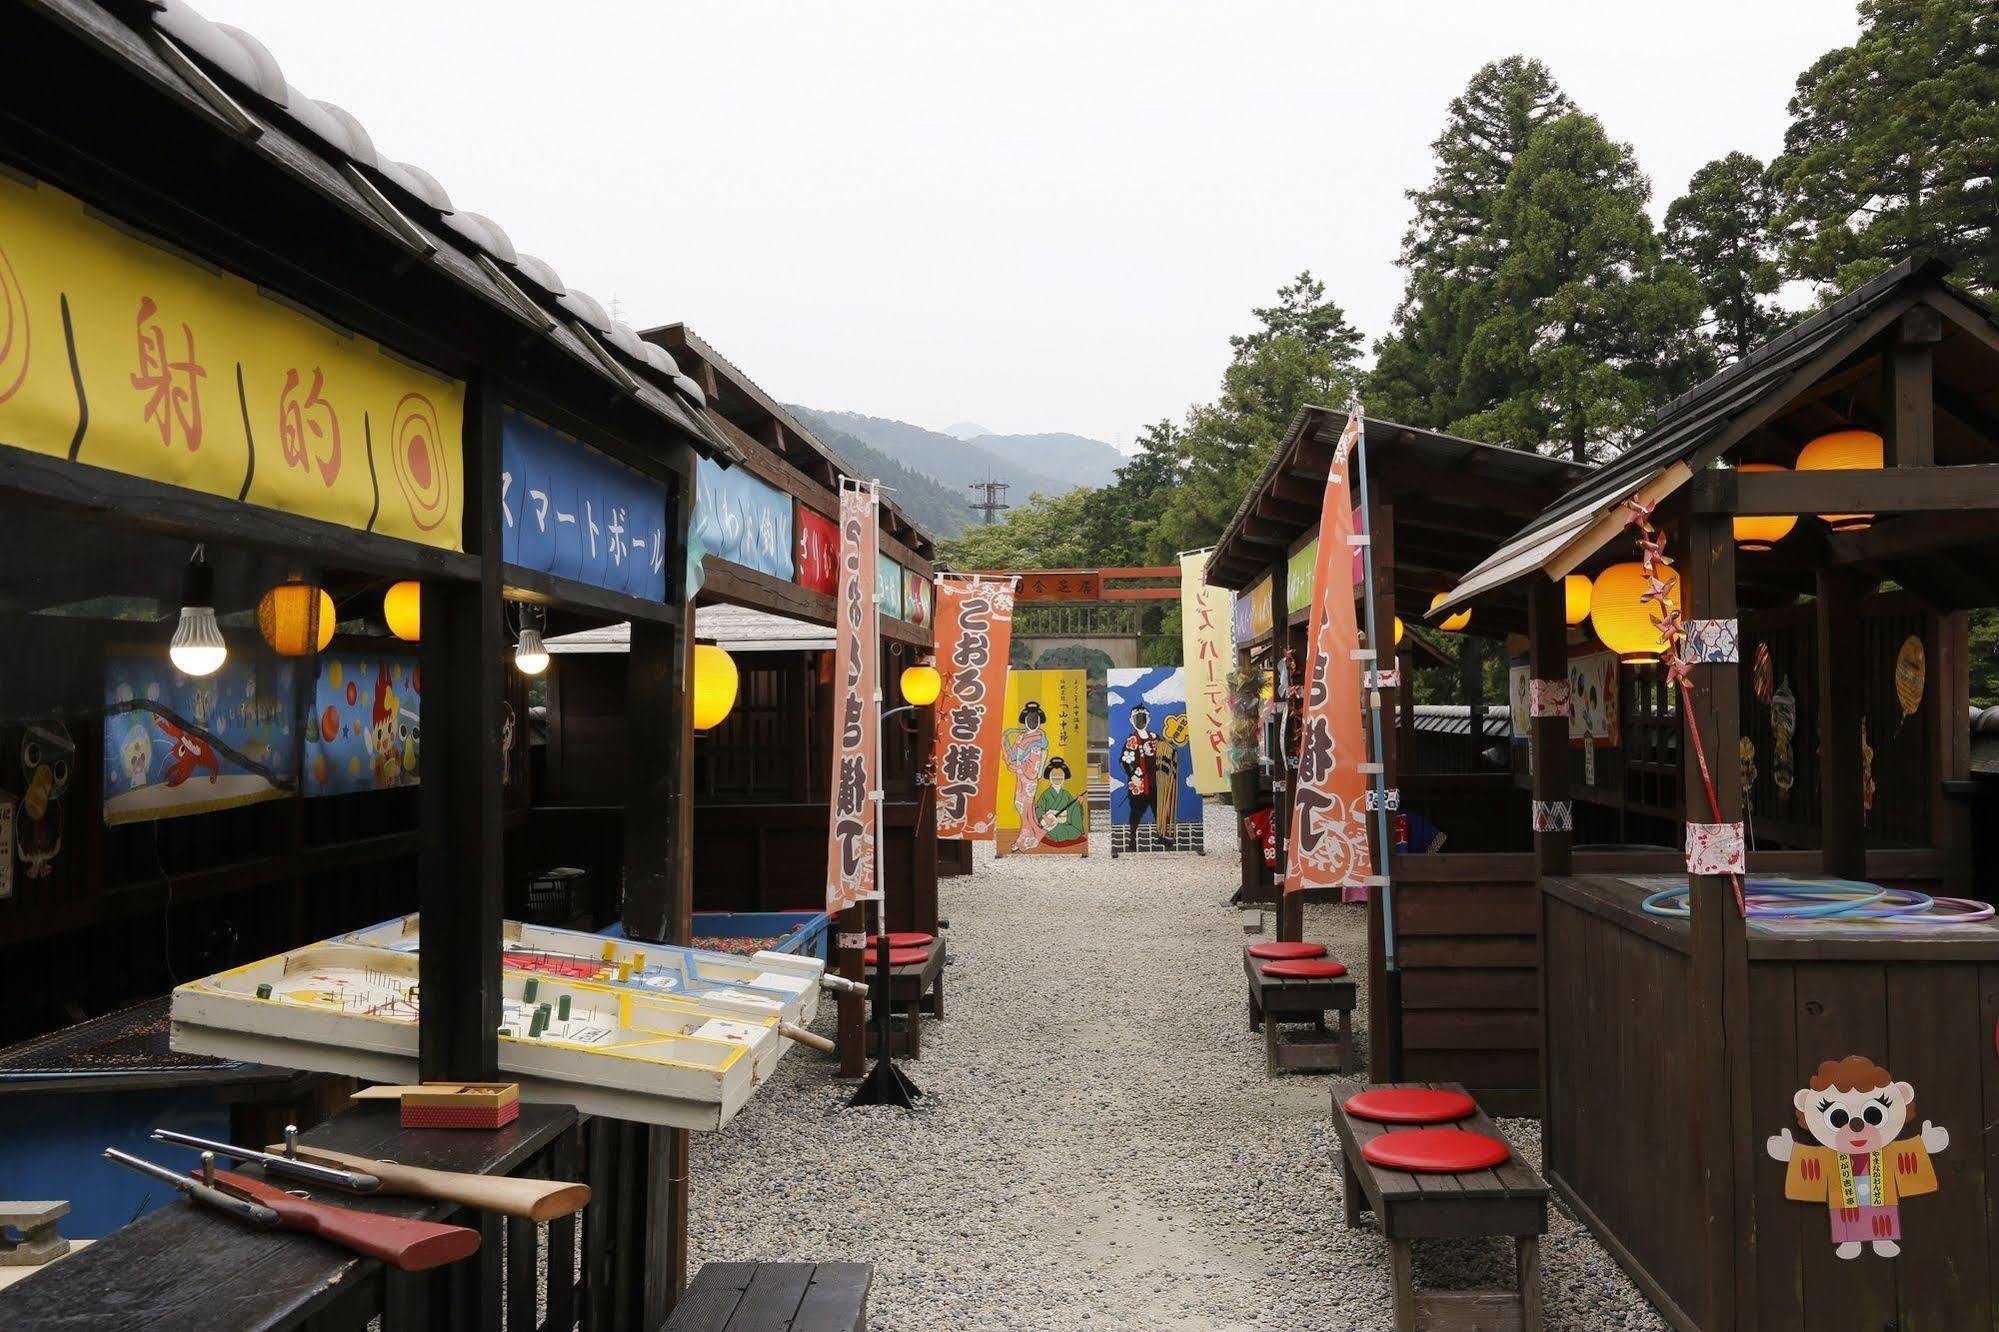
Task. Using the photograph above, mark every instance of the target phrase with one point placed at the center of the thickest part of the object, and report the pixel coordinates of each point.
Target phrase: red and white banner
(852, 837)
(974, 640)
(1329, 847)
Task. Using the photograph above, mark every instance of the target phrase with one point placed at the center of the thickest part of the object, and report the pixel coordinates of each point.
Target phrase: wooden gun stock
(529, 1199)
(408, 1246)
(791, 1031)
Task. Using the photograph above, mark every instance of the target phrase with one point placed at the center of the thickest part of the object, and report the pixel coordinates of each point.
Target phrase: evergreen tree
(1448, 266)
(1723, 230)
(1588, 328)
(1894, 147)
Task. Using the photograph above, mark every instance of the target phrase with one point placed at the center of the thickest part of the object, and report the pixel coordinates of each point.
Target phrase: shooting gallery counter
(184, 1267)
(1618, 983)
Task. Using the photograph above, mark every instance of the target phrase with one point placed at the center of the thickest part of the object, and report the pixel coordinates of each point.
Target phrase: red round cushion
(907, 957)
(902, 939)
(1409, 1105)
(1281, 951)
(1436, 1151)
(1308, 968)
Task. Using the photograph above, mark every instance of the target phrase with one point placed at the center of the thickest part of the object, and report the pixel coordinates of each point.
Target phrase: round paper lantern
(1398, 631)
(714, 685)
(921, 685)
(1454, 621)
(296, 619)
(1576, 591)
(1765, 531)
(402, 608)
(1843, 450)
(1623, 623)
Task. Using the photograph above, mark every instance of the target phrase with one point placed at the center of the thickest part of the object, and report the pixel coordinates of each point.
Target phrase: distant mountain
(940, 510)
(1072, 458)
(966, 430)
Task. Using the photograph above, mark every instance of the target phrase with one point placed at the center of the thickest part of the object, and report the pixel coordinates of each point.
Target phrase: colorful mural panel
(1044, 798)
(1154, 806)
(176, 744)
(365, 730)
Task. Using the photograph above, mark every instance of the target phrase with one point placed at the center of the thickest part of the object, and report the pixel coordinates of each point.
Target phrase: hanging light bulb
(1576, 593)
(197, 647)
(530, 653)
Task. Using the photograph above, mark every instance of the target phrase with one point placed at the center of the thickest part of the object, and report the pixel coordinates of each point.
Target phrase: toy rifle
(529, 1199)
(408, 1246)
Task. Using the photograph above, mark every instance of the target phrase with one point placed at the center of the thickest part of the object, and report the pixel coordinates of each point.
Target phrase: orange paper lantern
(296, 619)
(1623, 622)
(1843, 450)
(1576, 591)
(1456, 620)
(1762, 532)
(402, 610)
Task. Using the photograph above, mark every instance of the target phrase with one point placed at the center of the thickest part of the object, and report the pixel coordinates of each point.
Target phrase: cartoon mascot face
(1864, 1115)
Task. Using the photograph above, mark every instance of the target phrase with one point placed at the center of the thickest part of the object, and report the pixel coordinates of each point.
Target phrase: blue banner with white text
(739, 518)
(570, 511)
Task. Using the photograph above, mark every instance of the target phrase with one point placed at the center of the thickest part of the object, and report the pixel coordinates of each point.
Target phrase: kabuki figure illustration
(1859, 1171)
(1025, 748)
(1140, 761)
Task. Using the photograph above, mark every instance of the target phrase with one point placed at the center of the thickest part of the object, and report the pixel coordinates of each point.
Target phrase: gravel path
(1099, 1146)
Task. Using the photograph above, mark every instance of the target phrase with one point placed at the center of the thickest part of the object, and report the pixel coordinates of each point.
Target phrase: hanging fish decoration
(1764, 675)
(1911, 675)
(1783, 724)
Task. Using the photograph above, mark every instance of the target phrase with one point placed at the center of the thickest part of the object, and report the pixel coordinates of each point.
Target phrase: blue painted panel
(572, 512)
(51, 1146)
(1143, 756)
(888, 586)
(740, 519)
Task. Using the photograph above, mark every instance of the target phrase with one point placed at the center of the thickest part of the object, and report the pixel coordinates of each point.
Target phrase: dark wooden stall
(1462, 1003)
(1674, 1046)
(191, 163)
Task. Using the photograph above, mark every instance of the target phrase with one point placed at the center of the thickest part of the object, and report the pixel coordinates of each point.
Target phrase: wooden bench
(914, 989)
(1509, 1199)
(1274, 1001)
(775, 1297)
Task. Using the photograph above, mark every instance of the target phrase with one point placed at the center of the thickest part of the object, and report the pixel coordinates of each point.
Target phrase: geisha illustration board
(1044, 788)
(1153, 803)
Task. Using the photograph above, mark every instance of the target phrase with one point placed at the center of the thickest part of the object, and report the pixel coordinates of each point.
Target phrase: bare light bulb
(530, 654)
(197, 647)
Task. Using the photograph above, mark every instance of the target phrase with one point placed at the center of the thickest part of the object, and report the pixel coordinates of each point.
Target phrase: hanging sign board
(888, 586)
(121, 355)
(818, 551)
(1298, 575)
(1061, 585)
(851, 836)
(1259, 608)
(915, 597)
(1208, 648)
(738, 518)
(570, 511)
(974, 637)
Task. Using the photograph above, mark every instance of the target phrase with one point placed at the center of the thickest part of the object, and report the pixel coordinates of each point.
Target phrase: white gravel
(1098, 1146)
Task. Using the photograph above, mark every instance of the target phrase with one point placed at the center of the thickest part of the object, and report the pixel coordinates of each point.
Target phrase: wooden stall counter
(187, 1267)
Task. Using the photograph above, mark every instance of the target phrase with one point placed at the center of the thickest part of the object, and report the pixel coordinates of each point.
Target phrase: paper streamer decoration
(974, 636)
(1329, 842)
(1911, 674)
(1207, 644)
(1866, 771)
(1745, 750)
(851, 834)
(1783, 724)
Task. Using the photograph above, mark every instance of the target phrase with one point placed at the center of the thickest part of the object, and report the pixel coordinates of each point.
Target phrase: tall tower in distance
(991, 499)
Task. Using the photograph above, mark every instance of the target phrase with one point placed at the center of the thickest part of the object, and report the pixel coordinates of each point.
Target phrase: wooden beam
(1882, 490)
(1908, 402)
(1913, 535)
(1840, 703)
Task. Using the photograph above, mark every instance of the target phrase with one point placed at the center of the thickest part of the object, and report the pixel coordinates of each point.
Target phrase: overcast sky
(1034, 216)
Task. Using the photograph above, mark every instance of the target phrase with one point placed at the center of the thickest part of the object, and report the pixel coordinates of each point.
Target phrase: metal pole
(1382, 827)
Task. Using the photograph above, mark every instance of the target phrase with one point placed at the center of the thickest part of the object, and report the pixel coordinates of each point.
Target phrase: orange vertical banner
(852, 842)
(974, 640)
(1329, 846)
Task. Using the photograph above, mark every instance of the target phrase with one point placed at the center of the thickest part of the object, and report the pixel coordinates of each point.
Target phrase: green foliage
(1984, 658)
(1723, 230)
(1590, 330)
(1445, 253)
(1894, 147)
(1044, 533)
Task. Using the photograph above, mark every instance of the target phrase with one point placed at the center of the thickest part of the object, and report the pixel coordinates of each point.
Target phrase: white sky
(1033, 214)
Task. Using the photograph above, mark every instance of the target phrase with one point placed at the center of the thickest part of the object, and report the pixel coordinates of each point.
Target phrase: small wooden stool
(1506, 1199)
(37, 1223)
(1287, 990)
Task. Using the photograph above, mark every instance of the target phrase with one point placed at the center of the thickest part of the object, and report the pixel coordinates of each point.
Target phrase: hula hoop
(1832, 899)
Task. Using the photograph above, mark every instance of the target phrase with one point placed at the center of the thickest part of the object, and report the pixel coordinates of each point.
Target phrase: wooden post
(1552, 809)
(458, 802)
(1907, 398)
(1290, 907)
(1719, 996)
(461, 826)
(850, 932)
(1840, 702)
(1950, 740)
(1384, 1048)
